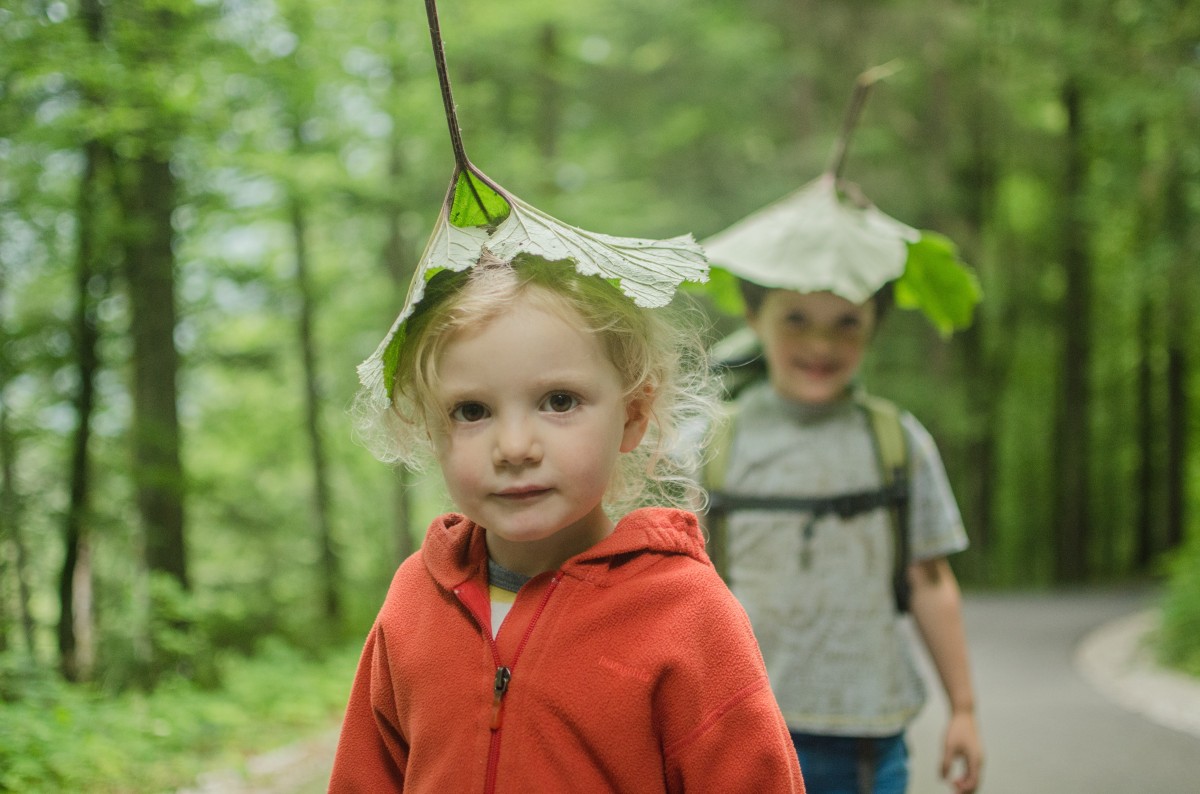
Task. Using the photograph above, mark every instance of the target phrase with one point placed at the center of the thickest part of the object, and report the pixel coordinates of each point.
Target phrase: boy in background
(825, 543)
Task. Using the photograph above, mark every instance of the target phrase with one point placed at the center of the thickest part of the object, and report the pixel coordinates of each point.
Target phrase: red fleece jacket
(632, 669)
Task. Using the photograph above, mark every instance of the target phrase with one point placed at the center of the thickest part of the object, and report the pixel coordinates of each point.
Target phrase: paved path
(1050, 709)
(1047, 728)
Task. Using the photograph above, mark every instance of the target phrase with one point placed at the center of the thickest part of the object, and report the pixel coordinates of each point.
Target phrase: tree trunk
(330, 572)
(985, 369)
(75, 580)
(1144, 546)
(150, 269)
(394, 262)
(1073, 435)
(549, 105)
(1177, 443)
(982, 385)
(10, 526)
(1180, 340)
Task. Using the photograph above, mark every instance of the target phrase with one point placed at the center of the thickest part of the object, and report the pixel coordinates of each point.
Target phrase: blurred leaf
(722, 289)
(815, 240)
(938, 283)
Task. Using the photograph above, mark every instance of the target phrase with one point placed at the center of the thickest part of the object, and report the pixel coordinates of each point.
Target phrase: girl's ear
(637, 419)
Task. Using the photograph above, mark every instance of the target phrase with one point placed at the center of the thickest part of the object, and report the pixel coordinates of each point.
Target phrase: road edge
(1117, 660)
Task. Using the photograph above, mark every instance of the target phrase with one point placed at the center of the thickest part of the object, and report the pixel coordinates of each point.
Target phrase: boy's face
(813, 341)
(536, 419)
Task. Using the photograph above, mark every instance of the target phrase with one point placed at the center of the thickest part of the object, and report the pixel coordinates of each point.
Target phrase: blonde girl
(552, 635)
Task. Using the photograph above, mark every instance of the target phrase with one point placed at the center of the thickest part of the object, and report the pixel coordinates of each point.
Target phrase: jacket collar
(455, 549)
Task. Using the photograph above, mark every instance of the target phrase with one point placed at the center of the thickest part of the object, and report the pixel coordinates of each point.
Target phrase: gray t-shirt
(819, 593)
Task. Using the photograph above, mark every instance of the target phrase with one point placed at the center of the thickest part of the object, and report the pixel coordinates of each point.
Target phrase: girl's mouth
(522, 493)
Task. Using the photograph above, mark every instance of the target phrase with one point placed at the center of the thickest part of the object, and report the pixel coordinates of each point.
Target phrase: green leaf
(476, 204)
(722, 289)
(938, 283)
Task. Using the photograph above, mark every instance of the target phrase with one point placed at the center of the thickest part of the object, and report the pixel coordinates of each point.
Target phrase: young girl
(534, 643)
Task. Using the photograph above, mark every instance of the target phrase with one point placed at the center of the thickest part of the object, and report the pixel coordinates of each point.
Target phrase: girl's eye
(796, 320)
(560, 402)
(469, 412)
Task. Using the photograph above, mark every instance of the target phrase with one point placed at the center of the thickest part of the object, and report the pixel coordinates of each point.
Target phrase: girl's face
(813, 341)
(536, 419)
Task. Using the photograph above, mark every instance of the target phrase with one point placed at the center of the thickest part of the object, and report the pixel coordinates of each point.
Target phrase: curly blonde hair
(657, 352)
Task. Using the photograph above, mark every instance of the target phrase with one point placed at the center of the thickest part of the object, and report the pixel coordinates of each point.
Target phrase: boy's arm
(937, 609)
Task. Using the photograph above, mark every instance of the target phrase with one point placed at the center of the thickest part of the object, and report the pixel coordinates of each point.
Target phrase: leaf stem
(862, 87)
(462, 164)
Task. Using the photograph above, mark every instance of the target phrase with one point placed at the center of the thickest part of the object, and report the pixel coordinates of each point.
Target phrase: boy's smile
(535, 419)
(813, 342)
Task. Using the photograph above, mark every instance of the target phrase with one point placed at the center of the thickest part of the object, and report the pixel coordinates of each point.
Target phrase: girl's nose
(516, 443)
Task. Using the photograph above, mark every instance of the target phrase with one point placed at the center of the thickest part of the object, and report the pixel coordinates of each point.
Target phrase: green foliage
(722, 290)
(936, 282)
(55, 737)
(1179, 636)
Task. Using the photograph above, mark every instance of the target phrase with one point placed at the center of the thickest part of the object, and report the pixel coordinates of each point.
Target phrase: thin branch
(862, 87)
(462, 164)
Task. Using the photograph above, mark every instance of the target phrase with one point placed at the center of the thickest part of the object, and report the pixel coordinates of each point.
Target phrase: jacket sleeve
(743, 747)
(737, 741)
(371, 752)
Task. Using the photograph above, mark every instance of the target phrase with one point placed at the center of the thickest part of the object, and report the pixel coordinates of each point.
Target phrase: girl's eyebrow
(574, 378)
(451, 395)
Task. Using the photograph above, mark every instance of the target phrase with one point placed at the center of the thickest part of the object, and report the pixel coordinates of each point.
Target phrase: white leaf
(648, 271)
(813, 241)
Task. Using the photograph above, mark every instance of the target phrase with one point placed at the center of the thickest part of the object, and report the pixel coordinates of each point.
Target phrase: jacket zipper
(503, 675)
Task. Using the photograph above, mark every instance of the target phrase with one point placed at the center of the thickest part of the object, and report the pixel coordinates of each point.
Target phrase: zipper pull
(503, 676)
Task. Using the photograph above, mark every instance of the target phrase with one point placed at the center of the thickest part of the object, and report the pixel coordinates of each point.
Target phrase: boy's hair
(654, 354)
(753, 296)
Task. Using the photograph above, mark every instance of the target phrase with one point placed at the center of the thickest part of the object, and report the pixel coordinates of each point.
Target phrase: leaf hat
(479, 217)
(827, 237)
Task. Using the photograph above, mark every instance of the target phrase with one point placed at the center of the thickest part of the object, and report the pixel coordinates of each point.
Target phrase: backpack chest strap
(848, 505)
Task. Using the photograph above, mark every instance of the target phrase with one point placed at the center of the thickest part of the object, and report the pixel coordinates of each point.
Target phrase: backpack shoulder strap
(891, 445)
(891, 450)
(713, 480)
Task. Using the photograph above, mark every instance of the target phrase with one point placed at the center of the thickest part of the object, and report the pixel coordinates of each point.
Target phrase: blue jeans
(844, 765)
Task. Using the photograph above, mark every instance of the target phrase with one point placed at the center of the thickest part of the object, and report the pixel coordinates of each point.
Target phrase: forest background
(209, 212)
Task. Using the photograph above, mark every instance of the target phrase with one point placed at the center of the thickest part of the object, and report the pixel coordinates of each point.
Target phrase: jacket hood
(455, 548)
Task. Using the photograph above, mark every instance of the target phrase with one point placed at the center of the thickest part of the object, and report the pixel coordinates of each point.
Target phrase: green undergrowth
(60, 738)
(1179, 638)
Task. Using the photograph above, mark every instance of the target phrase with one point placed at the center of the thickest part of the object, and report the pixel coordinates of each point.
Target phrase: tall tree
(1144, 527)
(75, 622)
(1181, 230)
(76, 652)
(1073, 432)
(330, 570)
(149, 194)
(399, 264)
(12, 541)
(297, 95)
(148, 201)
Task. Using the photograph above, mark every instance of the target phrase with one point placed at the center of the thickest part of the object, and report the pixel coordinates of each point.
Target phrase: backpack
(891, 453)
